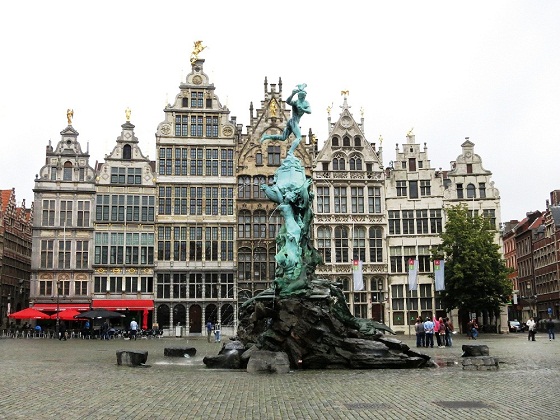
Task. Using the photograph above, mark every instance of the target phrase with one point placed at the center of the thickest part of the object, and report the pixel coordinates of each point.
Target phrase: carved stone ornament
(197, 80)
(227, 131)
(166, 129)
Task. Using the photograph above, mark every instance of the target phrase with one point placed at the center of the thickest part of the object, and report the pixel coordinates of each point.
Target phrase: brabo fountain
(304, 318)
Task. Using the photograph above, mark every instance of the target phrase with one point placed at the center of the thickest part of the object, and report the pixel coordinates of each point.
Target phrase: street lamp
(57, 329)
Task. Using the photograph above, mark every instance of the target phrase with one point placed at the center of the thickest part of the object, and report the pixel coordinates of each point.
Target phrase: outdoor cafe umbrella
(67, 315)
(29, 313)
(98, 314)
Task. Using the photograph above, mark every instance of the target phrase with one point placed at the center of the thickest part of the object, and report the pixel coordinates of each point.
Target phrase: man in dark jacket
(550, 329)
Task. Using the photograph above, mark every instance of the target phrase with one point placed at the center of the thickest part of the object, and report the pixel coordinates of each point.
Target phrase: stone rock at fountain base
(268, 362)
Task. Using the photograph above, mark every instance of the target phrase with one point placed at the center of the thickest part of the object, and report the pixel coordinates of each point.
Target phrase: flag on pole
(412, 274)
(439, 266)
(358, 275)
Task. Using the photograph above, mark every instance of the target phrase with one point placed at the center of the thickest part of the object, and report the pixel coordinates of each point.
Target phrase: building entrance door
(195, 319)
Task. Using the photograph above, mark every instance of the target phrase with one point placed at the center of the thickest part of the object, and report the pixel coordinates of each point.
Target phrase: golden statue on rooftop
(127, 112)
(198, 47)
(69, 115)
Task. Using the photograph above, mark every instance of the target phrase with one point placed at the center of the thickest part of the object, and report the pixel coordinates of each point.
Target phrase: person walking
(532, 327)
(105, 330)
(133, 329)
(217, 332)
(420, 335)
(209, 330)
(429, 332)
(62, 331)
(550, 329)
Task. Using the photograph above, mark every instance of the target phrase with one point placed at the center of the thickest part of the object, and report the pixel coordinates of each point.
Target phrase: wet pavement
(80, 379)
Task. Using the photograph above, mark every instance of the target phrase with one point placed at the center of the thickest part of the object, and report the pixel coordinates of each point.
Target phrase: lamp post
(57, 328)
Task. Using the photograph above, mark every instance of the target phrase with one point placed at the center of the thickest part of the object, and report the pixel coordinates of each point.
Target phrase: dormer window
(412, 165)
(67, 174)
(127, 152)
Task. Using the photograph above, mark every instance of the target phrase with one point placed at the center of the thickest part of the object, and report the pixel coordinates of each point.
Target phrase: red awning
(61, 306)
(123, 304)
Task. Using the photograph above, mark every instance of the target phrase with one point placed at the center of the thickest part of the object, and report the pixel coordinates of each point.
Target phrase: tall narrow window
(48, 212)
(66, 213)
(67, 173)
(273, 155)
(195, 244)
(340, 200)
(482, 190)
(341, 244)
(323, 200)
(401, 188)
(64, 254)
(374, 200)
(375, 245)
(459, 190)
(422, 221)
(127, 152)
(357, 198)
(408, 222)
(394, 218)
(412, 165)
(413, 185)
(471, 191)
(324, 243)
(359, 243)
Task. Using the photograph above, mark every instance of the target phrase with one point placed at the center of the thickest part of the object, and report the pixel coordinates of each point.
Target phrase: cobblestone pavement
(79, 379)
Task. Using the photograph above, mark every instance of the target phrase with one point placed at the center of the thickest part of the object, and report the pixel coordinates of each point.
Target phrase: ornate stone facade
(64, 197)
(196, 188)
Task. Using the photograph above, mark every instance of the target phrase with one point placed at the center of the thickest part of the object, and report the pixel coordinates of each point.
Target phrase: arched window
(244, 187)
(341, 244)
(346, 141)
(375, 244)
(355, 163)
(335, 141)
(358, 141)
(127, 152)
(471, 191)
(339, 164)
(67, 173)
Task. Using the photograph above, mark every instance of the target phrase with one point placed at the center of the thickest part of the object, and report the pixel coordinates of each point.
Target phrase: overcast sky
(487, 70)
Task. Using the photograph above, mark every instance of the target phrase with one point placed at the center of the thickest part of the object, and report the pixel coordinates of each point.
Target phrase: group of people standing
(532, 328)
(213, 328)
(441, 328)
